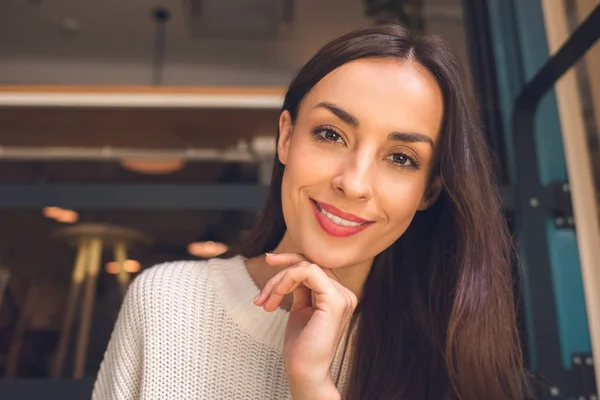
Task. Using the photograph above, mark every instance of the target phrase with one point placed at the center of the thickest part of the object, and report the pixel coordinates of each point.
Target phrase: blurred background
(139, 132)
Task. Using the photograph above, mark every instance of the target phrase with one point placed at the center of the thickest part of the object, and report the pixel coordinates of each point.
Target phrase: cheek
(307, 168)
(310, 165)
(400, 197)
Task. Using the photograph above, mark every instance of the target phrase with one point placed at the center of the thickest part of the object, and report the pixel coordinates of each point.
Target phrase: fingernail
(269, 254)
(257, 296)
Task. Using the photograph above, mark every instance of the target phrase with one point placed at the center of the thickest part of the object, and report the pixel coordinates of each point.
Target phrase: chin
(328, 258)
(327, 251)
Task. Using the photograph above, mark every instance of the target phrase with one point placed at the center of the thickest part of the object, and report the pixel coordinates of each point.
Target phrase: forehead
(383, 93)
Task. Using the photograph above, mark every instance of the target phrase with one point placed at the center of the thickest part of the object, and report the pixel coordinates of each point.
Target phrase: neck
(352, 277)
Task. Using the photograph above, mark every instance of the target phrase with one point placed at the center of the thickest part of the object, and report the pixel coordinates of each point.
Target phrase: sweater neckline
(236, 289)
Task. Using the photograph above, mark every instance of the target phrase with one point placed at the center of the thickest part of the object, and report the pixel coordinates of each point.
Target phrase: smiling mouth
(336, 222)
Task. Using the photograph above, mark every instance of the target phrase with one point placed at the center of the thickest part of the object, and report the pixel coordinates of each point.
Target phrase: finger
(302, 298)
(263, 295)
(274, 290)
(276, 296)
(351, 300)
(310, 275)
(291, 259)
(284, 259)
(347, 293)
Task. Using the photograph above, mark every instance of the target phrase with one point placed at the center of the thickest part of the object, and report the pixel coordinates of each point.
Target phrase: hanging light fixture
(152, 167)
(61, 215)
(160, 15)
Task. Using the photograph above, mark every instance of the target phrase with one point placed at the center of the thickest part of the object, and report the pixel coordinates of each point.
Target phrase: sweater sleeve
(121, 369)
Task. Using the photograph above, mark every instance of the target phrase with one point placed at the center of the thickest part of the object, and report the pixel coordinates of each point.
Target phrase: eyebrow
(411, 137)
(341, 114)
(408, 137)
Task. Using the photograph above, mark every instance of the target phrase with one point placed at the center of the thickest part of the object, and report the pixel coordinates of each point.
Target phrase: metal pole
(79, 271)
(93, 269)
(579, 168)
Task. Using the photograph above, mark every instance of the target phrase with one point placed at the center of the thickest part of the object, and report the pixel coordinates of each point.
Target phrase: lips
(336, 222)
(339, 213)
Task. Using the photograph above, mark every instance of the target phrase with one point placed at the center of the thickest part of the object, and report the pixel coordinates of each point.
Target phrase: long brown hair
(437, 316)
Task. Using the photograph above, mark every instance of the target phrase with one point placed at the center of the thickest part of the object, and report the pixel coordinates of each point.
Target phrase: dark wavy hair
(437, 317)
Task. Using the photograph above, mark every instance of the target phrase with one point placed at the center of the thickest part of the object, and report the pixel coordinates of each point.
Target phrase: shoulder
(174, 283)
(171, 275)
(176, 277)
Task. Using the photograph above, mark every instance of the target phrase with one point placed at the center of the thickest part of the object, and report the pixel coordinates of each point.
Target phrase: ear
(432, 193)
(285, 136)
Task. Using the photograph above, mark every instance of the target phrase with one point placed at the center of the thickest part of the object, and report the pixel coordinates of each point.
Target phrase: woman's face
(359, 159)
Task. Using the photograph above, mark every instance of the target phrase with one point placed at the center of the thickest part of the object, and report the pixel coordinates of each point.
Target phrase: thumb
(302, 298)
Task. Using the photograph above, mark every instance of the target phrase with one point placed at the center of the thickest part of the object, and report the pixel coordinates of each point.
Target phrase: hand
(320, 313)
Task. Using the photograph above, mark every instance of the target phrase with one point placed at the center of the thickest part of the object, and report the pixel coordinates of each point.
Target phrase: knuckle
(302, 264)
(278, 289)
(314, 268)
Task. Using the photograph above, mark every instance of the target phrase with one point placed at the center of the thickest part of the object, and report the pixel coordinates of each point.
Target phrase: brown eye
(403, 161)
(331, 135)
(328, 135)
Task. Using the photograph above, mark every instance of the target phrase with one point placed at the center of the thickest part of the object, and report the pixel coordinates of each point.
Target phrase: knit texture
(190, 330)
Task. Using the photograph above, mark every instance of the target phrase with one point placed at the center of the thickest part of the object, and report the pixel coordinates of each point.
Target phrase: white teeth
(338, 220)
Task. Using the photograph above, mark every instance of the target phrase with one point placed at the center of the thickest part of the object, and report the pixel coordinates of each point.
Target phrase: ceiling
(113, 42)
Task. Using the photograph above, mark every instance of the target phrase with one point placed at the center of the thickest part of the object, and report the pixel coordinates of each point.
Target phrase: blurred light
(152, 167)
(131, 266)
(61, 215)
(207, 249)
(51, 212)
(67, 217)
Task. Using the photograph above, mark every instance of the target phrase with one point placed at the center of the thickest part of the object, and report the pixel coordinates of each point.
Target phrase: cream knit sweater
(189, 330)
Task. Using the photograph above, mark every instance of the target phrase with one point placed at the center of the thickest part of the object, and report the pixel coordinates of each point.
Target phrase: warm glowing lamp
(51, 212)
(131, 266)
(152, 167)
(67, 216)
(207, 249)
(61, 215)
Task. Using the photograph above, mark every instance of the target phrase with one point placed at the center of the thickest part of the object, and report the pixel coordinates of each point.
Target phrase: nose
(355, 179)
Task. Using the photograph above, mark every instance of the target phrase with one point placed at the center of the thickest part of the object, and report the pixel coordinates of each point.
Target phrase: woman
(389, 276)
